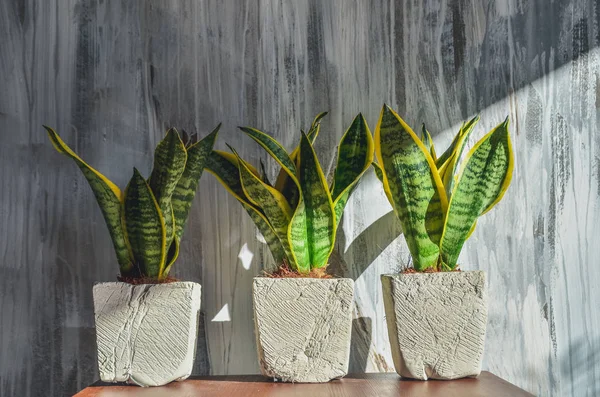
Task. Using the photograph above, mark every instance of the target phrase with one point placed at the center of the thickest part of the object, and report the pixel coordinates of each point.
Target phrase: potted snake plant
(147, 322)
(302, 316)
(436, 314)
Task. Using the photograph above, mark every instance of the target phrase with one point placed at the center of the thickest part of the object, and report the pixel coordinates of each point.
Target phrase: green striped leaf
(298, 238)
(260, 194)
(441, 160)
(378, 171)
(483, 179)
(185, 191)
(340, 203)
(379, 175)
(272, 203)
(449, 169)
(472, 230)
(315, 127)
(172, 255)
(286, 183)
(283, 183)
(312, 134)
(145, 227)
(273, 242)
(221, 165)
(108, 196)
(226, 171)
(273, 148)
(355, 155)
(319, 216)
(411, 177)
(169, 163)
(428, 142)
(468, 126)
(225, 168)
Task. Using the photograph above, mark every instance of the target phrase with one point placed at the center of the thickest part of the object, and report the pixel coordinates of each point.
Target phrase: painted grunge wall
(110, 76)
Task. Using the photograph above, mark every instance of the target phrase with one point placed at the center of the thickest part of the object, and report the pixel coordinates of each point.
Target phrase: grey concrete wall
(110, 76)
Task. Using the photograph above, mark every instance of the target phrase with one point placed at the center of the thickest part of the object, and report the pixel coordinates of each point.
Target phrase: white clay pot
(436, 323)
(146, 334)
(303, 327)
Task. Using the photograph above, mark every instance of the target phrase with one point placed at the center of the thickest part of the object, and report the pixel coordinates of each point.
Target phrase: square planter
(146, 334)
(436, 323)
(303, 327)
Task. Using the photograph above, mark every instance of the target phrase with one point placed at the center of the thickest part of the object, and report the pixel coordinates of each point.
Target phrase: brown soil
(146, 280)
(411, 270)
(285, 271)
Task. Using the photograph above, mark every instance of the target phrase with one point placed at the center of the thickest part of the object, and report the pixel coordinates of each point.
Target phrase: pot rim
(302, 278)
(173, 283)
(431, 274)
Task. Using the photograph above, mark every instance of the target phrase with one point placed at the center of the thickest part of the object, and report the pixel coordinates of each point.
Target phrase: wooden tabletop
(382, 385)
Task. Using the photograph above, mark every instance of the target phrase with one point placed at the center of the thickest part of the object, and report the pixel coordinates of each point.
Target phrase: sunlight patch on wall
(245, 255)
(223, 315)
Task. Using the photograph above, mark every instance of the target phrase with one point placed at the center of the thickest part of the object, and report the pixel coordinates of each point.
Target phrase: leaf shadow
(361, 342)
(365, 248)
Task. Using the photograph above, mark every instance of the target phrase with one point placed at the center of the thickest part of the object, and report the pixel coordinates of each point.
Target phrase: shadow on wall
(383, 232)
(478, 79)
(361, 343)
(576, 366)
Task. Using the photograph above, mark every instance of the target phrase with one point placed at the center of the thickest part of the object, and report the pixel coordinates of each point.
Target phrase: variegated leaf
(288, 187)
(355, 155)
(146, 229)
(273, 148)
(169, 163)
(224, 167)
(318, 218)
(283, 182)
(172, 255)
(483, 179)
(108, 196)
(226, 170)
(379, 175)
(465, 127)
(449, 169)
(273, 242)
(272, 203)
(411, 177)
(428, 142)
(185, 191)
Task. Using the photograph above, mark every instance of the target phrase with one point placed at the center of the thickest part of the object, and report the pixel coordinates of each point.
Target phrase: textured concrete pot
(146, 334)
(303, 327)
(436, 323)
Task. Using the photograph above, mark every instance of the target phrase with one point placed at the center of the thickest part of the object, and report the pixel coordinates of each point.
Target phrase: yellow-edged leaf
(483, 179)
(109, 198)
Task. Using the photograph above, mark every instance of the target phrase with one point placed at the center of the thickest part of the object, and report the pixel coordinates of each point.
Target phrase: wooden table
(381, 385)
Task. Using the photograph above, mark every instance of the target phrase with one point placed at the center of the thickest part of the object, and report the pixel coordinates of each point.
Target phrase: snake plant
(438, 199)
(298, 215)
(146, 221)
